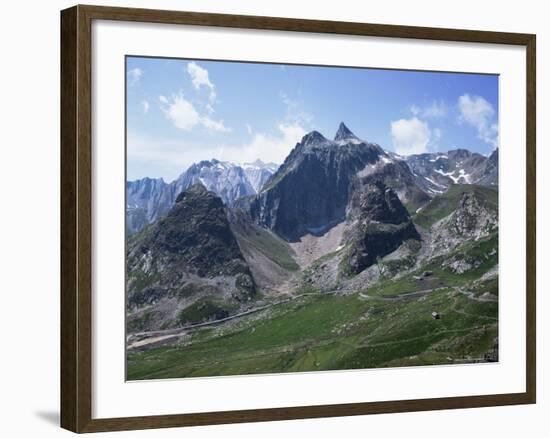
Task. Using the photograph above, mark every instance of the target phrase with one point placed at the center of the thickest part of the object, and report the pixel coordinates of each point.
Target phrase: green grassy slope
(444, 204)
(387, 325)
(324, 332)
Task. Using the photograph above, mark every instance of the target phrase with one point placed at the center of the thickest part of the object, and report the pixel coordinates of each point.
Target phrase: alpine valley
(345, 256)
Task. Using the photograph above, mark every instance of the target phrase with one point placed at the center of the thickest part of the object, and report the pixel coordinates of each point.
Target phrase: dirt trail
(483, 298)
(138, 340)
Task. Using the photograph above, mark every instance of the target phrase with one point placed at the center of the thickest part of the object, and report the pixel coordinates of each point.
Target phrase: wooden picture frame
(76, 217)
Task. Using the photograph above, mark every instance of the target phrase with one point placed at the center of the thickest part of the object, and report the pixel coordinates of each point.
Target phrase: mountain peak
(196, 189)
(257, 162)
(344, 133)
(313, 138)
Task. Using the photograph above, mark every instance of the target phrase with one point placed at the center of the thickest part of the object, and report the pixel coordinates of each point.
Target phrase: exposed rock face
(379, 225)
(150, 199)
(228, 181)
(142, 197)
(190, 253)
(310, 191)
(472, 218)
(374, 201)
(397, 175)
(258, 173)
(435, 172)
(326, 167)
(197, 232)
(489, 172)
(136, 219)
(344, 134)
(373, 241)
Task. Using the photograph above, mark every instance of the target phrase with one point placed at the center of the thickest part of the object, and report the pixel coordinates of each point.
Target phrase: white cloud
(295, 112)
(209, 108)
(170, 157)
(164, 157)
(272, 147)
(134, 75)
(214, 125)
(181, 112)
(199, 77)
(410, 136)
(475, 110)
(479, 113)
(145, 106)
(436, 109)
(184, 116)
(437, 134)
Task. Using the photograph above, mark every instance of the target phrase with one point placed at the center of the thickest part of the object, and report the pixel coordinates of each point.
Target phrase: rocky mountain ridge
(436, 172)
(339, 216)
(149, 199)
(190, 255)
(309, 193)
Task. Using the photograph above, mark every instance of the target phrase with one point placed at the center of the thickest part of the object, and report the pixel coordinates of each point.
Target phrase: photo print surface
(296, 218)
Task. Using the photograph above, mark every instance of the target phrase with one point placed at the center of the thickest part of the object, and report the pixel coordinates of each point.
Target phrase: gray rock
(150, 199)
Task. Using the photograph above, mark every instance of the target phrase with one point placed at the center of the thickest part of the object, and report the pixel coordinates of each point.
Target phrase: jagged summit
(195, 189)
(344, 133)
(257, 162)
(314, 138)
(311, 188)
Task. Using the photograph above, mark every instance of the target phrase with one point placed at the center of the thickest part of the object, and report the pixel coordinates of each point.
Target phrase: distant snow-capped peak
(259, 164)
(151, 199)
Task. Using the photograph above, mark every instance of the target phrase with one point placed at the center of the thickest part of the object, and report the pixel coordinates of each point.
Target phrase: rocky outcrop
(189, 254)
(379, 224)
(471, 215)
(472, 218)
(375, 201)
(196, 232)
(396, 174)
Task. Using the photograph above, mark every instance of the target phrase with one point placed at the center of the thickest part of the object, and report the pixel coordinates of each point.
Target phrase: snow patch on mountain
(151, 199)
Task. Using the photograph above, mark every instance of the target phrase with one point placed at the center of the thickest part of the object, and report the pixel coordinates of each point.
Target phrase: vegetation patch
(325, 332)
(140, 321)
(201, 311)
(443, 205)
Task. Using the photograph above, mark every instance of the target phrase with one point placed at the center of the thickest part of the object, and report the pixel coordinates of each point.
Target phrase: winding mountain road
(142, 340)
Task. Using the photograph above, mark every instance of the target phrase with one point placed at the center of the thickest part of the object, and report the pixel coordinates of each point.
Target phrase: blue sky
(183, 111)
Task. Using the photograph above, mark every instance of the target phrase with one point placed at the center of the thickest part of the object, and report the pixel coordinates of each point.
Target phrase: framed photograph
(270, 218)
